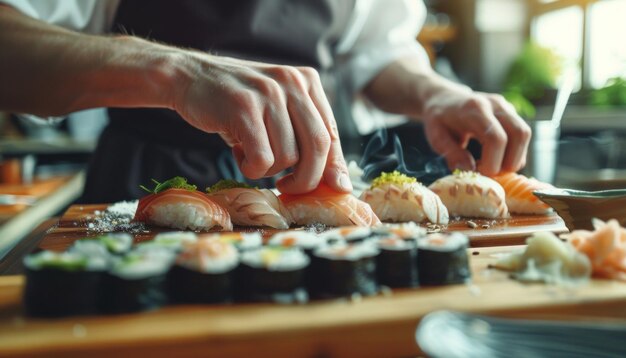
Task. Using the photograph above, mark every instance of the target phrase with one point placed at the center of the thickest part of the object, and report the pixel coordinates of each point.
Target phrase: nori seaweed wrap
(343, 269)
(396, 265)
(204, 273)
(272, 274)
(62, 284)
(442, 259)
(136, 282)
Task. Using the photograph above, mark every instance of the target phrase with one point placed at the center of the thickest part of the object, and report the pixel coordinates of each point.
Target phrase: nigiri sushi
(326, 206)
(249, 206)
(519, 194)
(400, 198)
(470, 194)
(177, 204)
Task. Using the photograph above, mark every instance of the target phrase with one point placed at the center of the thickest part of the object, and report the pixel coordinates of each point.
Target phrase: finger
(253, 152)
(313, 146)
(518, 133)
(280, 132)
(336, 171)
(487, 129)
(443, 142)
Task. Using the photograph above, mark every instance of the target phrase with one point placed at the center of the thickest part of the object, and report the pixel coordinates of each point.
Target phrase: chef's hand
(454, 116)
(274, 117)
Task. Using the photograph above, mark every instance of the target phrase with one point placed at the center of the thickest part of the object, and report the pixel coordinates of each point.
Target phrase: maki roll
(136, 282)
(273, 274)
(443, 259)
(409, 230)
(304, 240)
(173, 241)
(62, 284)
(350, 234)
(344, 269)
(243, 241)
(114, 244)
(396, 265)
(203, 273)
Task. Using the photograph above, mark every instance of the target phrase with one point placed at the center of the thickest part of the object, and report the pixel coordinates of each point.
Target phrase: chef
(193, 86)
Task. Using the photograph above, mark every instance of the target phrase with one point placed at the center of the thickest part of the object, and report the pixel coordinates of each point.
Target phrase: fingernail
(344, 182)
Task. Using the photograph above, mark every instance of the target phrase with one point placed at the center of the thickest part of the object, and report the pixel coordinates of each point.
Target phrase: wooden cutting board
(374, 327)
(514, 231)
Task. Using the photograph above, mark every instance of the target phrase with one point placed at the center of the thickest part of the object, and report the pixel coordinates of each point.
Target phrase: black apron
(140, 144)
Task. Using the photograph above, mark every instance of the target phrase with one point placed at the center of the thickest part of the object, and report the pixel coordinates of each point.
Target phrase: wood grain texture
(377, 326)
(501, 232)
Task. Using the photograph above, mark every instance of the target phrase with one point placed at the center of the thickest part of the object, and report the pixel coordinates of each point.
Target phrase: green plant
(612, 94)
(533, 71)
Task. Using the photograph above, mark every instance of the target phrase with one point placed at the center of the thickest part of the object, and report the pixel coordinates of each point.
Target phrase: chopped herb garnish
(226, 184)
(174, 183)
(394, 177)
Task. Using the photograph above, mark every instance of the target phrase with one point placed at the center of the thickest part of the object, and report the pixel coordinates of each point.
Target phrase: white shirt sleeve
(380, 32)
(90, 16)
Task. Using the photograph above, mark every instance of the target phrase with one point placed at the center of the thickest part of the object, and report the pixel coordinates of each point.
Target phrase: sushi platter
(234, 269)
(383, 324)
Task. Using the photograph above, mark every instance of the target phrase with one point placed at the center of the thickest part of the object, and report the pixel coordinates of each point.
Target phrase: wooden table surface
(376, 326)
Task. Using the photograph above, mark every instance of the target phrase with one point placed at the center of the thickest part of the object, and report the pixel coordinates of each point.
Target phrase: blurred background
(524, 49)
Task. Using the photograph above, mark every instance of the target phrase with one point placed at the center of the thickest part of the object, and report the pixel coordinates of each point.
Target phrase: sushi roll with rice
(273, 274)
(399, 198)
(343, 270)
(177, 204)
(307, 241)
(203, 273)
(396, 265)
(442, 259)
(173, 241)
(243, 241)
(137, 282)
(113, 244)
(62, 284)
(409, 230)
(250, 206)
(351, 234)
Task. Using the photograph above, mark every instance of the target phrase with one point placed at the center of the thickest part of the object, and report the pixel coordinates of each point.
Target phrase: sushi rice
(67, 261)
(276, 259)
(209, 256)
(350, 252)
(181, 216)
(141, 264)
(302, 239)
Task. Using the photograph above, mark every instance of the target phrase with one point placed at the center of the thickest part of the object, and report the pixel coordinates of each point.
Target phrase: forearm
(407, 85)
(47, 70)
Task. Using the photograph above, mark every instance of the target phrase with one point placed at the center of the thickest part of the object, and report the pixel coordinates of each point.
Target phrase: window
(588, 34)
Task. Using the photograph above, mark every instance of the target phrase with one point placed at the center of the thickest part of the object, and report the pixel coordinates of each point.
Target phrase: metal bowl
(577, 207)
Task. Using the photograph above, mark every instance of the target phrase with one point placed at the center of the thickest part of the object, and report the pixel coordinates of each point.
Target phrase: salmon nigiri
(470, 194)
(519, 194)
(400, 198)
(177, 204)
(250, 206)
(326, 206)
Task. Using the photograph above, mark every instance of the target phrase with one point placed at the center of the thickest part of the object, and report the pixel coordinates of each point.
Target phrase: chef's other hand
(274, 117)
(452, 117)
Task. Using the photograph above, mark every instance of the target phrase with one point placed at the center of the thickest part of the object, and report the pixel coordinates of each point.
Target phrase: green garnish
(174, 183)
(226, 184)
(464, 173)
(62, 261)
(394, 177)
